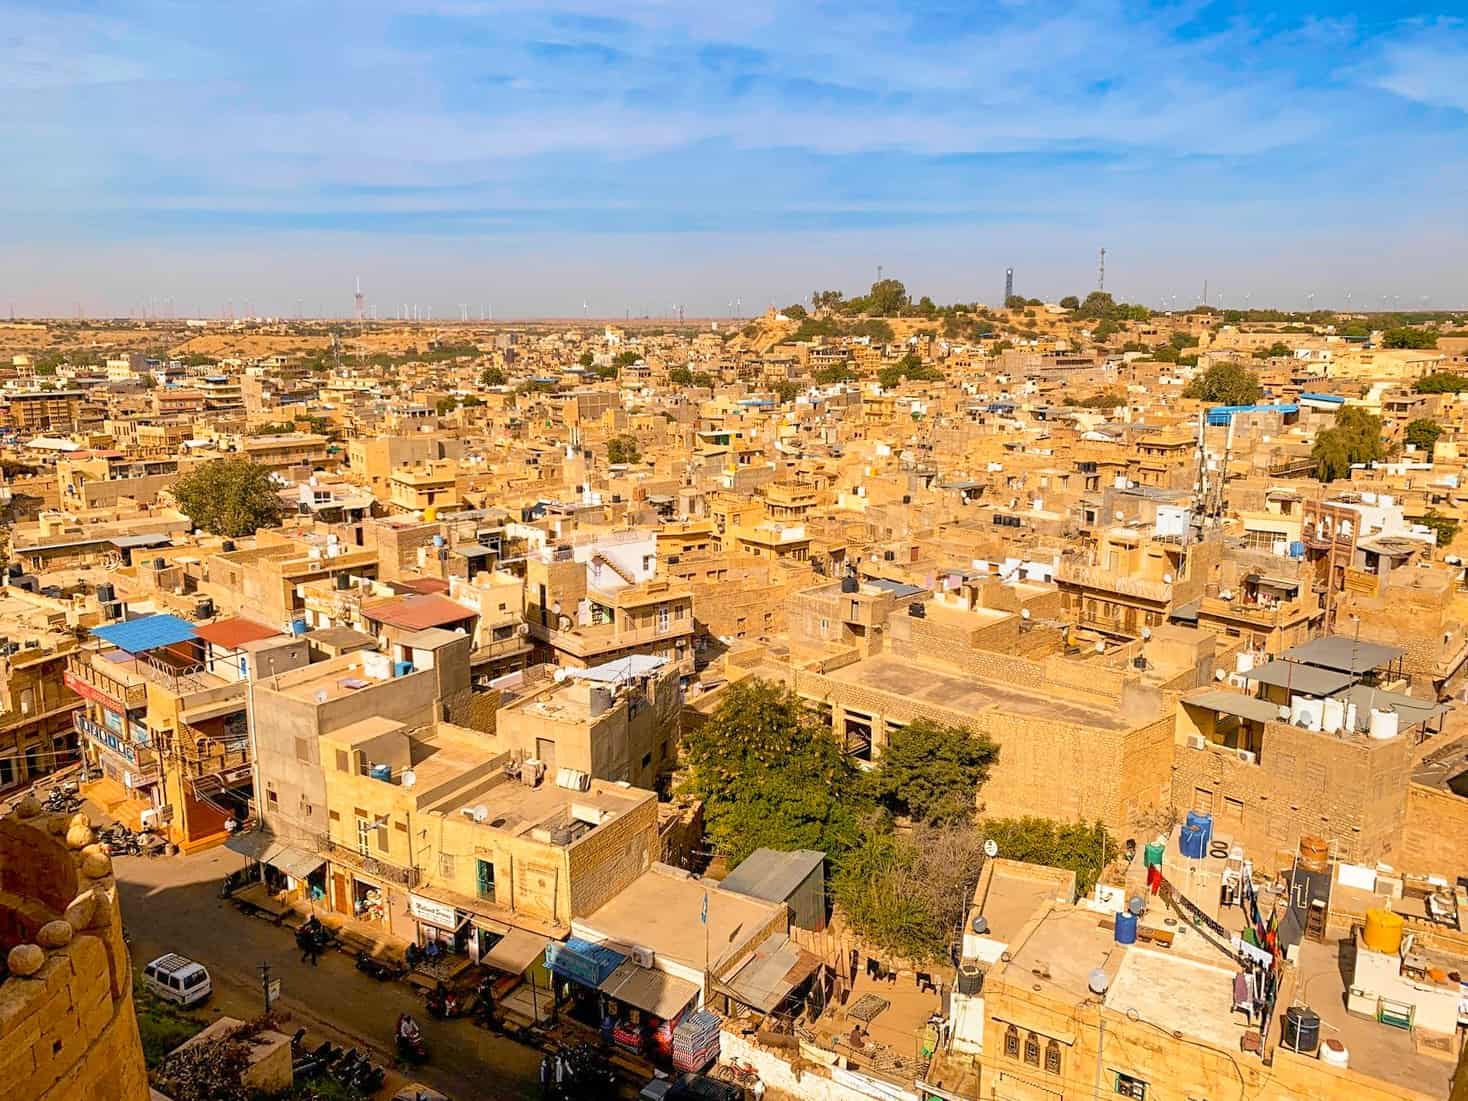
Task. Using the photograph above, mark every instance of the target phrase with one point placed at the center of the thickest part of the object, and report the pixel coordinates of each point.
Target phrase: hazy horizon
(525, 160)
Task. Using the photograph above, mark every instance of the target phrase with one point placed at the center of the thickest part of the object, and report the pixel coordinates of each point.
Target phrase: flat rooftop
(962, 692)
(661, 909)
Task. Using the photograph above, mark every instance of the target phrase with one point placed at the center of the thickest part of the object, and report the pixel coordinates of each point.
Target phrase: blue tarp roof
(589, 964)
(148, 633)
(1335, 398)
(1222, 414)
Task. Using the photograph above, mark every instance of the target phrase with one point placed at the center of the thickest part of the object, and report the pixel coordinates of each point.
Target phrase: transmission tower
(1101, 272)
(357, 298)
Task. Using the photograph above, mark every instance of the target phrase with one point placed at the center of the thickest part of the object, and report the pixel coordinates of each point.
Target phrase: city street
(171, 904)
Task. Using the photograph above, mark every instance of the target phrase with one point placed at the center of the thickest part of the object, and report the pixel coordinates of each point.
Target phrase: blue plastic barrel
(1126, 928)
(1191, 842)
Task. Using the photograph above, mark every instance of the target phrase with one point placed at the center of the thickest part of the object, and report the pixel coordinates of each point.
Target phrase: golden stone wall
(68, 1031)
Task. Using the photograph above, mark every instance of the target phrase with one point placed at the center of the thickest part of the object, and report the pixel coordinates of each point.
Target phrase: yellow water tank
(430, 514)
(1383, 931)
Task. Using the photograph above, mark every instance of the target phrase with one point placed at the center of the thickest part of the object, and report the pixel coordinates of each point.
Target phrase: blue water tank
(1192, 842)
(298, 627)
(381, 772)
(1297, 550)
(401, 668)
(1126, 928)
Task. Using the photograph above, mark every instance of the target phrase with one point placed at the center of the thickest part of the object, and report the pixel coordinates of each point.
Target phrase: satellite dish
(1024, 613)
(1146, 633)
(991, 848)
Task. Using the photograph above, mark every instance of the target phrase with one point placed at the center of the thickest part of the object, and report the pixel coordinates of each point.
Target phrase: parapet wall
(68, 1030)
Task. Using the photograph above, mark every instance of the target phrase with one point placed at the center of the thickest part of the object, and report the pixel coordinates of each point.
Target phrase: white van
(177, 979)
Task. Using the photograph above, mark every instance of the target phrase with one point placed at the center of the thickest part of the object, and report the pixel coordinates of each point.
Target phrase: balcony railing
(83, 678)
(368, 865)
(1093, 577)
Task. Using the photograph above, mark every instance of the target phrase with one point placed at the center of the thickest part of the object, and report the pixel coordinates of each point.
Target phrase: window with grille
(1032, 1050)
(1052, 1058)
(1011, 1042)
(446, 865)
(1128, 1086)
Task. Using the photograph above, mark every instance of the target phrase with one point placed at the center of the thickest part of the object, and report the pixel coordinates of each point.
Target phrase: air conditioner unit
(643, 957)
(1247, 756)
(1197, 741)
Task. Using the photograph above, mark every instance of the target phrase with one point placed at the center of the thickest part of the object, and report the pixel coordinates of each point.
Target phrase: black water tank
(13, 569)
(918, 611)
(343, 581)
(849, 584)
(970, 978)
(204, 609)
(227, 546)
(1301, 1029)
(106, 593)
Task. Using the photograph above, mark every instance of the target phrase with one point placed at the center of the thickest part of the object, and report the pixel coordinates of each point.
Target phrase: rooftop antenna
(357, 298)
(1101, 272)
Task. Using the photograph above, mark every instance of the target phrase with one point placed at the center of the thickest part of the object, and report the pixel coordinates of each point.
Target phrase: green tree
(229, 497)
(889, 377)
(491, 376)
(787, 390)
(1423, 434)
(795, 312)
(1075, 846)
(931, 773)
(606, 370)
(1225, 384)
(908, 893)
(1276, 350)
(1070, 302)
(826, 300)
(703, 379)
(1354, 438)
(771, 775)
(1442, 382)
(586, 359)
(1444, 527)
(680, 376)
(839, 372)
(625, 358)
(1015, 302)
(1408, 337)
(1104, 330)
(887, 298)
(623, 449)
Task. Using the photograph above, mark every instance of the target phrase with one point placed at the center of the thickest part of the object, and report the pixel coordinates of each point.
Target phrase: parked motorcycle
(444, 1003)
(381, 970)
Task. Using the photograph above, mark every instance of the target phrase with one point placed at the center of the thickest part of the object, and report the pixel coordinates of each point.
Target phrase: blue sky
(527, 158)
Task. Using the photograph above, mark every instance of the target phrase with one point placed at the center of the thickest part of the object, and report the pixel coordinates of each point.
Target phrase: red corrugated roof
(417, 612)
(233, 633)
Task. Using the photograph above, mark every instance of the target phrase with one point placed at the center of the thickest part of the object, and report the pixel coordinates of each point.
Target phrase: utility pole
(265, 985)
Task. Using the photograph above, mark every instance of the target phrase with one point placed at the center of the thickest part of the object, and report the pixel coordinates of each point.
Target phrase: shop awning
(294, 862)
(1234, 703)
(251, 845)
(772, 972)
(515, 951)
(654, 992)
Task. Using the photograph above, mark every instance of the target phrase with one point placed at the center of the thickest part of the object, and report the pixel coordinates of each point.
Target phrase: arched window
(1052, 1058)
(1032, 1050)
(1011, 1042)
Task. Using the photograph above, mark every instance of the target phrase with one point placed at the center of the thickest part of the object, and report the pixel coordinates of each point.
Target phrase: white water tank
(1333, 715)
(1335, 1053)
(1383, 725)
(1244, 661)
(1306, 712)
(1351, 718)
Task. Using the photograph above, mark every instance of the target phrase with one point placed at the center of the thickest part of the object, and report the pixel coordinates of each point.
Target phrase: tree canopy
(494, 376)
(795, 311)
(1075, 846)
(931, 773)
(623, 449)
(1070, 302)
(1442, 382)
(680, 376)
(1423, 434)
(229, 497)
(1355, 438)
(771, 775)
(1225, 384)
(1408, 337)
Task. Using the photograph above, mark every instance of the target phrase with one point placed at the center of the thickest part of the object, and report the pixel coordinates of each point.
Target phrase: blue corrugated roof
(1336, 398)
(148, 633)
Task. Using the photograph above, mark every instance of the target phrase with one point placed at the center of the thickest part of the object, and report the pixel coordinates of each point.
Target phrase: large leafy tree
(1226, 384)
(230, 497)
(1423, 434)
(623, 449)
(1442, 382)
(908, 892)
(931, 773)
(1355, 438)
(887, 298)
(771, 775)
(1408, 337)
(1076, 846)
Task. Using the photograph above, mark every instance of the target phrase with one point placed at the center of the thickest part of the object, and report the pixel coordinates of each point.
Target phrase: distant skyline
(527, 157)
